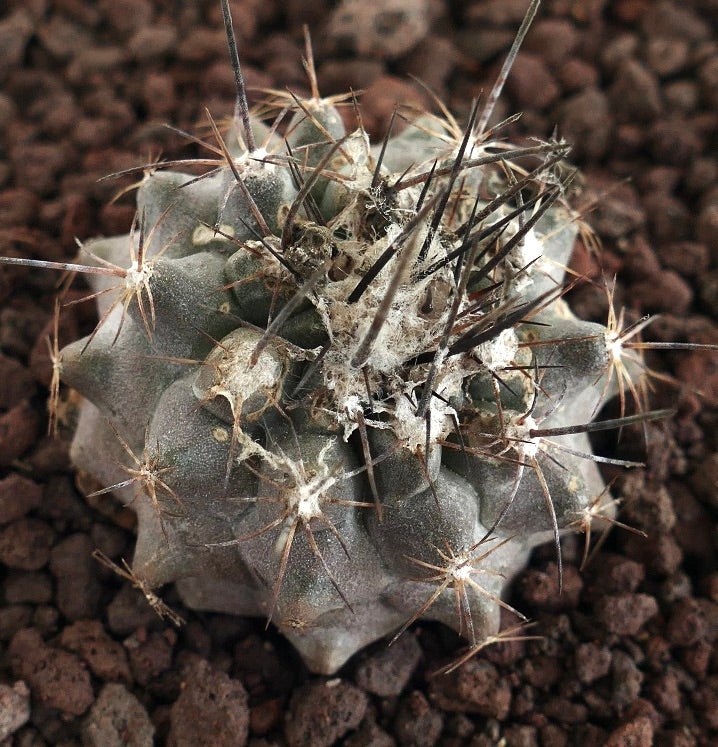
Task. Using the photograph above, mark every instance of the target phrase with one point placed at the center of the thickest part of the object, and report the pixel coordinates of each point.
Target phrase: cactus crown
(338, 381)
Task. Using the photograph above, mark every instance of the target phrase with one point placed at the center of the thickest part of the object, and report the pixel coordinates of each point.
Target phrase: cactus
(338, 383)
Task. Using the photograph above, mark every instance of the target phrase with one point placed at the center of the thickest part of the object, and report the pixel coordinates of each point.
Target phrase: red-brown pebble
(625, 614)
(106, 657)
(212, 708)
(475, 687)
(321, 712)
(18, 496)
(25, 544)
(57, 679)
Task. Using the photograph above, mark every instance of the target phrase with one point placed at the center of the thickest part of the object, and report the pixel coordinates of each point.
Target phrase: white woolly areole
(500, 352)
(519, 431)
(304, 500)
(356, 146)
(230, 374)
(136, 276)
(248, 159)
(461, 569)
(529, 250)
(614, 345)
(411, 430)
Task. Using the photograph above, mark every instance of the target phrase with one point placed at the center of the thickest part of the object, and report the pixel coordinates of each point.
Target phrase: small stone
(124, 16)
(482, 44)
(686, 625)
(618, 212)
(554, 39)
(474, 687)
(617, 574)
(106, 657)
(151, 656)
(586, 122)
(31, 587)
(212, 706)
(625, 614)
(675, 20)
(94, 61)
(617, 50)
(201, 46)
(660, 553)
(542, 672)
(78, 587)
(635, 733)
(565, 711)
(12, 618)
(676, 587)
(689, 258)
(705, 701)
(531, 85)
(158, 94)
(576, 74)
(62, 37)
(707, 227)
(540, 588)
(25, 544)
(521, 735)
(553, 736)
(696, 659)
(702, 175)
(381, 98)
(386, 671)
(667, 291)
(648, 505)
(14, 708)
(17, 381)
(19, 428)
(384, 29)
(675, 142)
(627, 680)
(265, 716)
(18, 206)
(16, 30)
(369, 733)
(116, 719)
(592, 662)
(667, 56)
(431, 61)
(416, 722)
(635, 93)
(321, 712)
(152, 42)
(18, 495)
(681, 96)
(663, 179)
(57, 679)
(664, 693)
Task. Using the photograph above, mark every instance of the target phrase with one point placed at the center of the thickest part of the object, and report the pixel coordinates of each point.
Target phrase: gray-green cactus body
(331, 415)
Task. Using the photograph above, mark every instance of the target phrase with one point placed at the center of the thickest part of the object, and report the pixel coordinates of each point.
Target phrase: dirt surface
(626, 654)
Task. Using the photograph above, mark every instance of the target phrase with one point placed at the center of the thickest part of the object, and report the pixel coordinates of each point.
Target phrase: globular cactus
(338, 383)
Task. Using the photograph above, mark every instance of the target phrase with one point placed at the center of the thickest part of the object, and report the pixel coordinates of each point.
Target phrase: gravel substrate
(626, 654)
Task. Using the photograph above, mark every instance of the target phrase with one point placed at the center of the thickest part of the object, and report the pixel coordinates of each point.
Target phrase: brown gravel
(627, 654)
